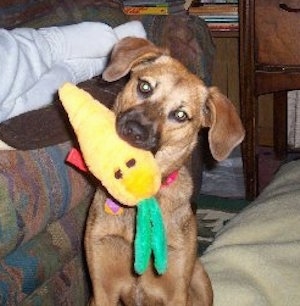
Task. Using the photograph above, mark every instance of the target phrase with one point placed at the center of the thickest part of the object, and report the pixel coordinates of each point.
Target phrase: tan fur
(108, 239)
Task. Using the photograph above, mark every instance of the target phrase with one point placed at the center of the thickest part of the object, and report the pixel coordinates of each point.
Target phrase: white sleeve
(42, 92)
(25, 57)
(35, 63)
(22, 62)
(27, 54)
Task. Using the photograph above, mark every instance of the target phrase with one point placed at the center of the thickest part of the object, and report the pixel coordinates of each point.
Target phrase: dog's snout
(135, 132)
(138, 130)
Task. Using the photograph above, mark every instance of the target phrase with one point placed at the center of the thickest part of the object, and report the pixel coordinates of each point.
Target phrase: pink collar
(170, 179)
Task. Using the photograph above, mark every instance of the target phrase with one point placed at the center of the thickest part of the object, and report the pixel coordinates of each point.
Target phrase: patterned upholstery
(42, 213)
(43, 201)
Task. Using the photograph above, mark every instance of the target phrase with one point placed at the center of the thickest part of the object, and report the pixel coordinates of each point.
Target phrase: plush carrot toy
(130, 174)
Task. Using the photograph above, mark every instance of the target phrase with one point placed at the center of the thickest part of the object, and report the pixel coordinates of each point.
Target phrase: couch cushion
(69, 286)
(36, 188)
(39, 260)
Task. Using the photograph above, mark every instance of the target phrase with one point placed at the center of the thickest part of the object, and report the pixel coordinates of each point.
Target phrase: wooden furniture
(269, 63)
(224, 34)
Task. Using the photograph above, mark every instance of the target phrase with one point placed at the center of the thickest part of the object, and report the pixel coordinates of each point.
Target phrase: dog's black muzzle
(137, 129)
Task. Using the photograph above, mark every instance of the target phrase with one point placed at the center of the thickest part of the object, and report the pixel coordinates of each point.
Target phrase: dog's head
(163, 105)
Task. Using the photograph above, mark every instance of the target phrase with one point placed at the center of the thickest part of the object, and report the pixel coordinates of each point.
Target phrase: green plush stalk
(159, 245)
(142, 242)
(150, 236)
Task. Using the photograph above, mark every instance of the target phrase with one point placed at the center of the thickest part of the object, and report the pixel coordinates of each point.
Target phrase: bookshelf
(221, 16)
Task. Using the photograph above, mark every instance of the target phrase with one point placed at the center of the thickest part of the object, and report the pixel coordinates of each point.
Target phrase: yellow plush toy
(130, 175)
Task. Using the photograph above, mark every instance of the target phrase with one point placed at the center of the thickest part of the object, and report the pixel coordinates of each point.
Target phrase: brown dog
(161, 108)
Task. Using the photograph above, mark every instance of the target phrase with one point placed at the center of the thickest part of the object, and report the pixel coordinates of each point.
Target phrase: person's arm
(22, 63)
(35, 63)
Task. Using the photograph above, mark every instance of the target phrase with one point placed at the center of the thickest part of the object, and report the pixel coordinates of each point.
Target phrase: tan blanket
(255, 259)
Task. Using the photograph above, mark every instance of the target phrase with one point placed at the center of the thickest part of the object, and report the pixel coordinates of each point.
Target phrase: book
(146, 10)
(211, 9)
(143, 2)
(220, 18)
(218, 14)
(159, 8)
(223, 27)
(187, 4)
(215, 1)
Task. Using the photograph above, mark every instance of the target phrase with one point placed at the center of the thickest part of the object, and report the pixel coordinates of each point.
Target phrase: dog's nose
(134, 132)
(135, 128)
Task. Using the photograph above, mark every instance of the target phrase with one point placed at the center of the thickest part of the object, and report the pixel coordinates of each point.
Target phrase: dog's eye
(179, 115)
(144, 88)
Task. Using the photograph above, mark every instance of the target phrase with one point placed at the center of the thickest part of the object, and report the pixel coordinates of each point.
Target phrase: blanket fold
(255, 259)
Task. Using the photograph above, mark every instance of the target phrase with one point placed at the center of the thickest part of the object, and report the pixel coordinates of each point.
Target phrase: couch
(44, 201)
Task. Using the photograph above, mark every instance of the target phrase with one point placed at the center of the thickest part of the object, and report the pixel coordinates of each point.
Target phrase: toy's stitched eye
(145, 88)
(118, 174)
(131, 163)
(179, 115)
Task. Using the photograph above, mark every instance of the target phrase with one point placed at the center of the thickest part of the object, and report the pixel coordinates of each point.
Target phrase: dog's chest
(138, 295)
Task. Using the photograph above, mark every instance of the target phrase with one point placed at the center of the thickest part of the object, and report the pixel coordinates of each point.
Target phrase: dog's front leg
(109, 261)
(201, 292)
(108, 253)
(99, 270)
(173, 286)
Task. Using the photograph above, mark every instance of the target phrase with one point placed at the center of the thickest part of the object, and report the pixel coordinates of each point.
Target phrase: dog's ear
(226, 129)
(127, 53)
